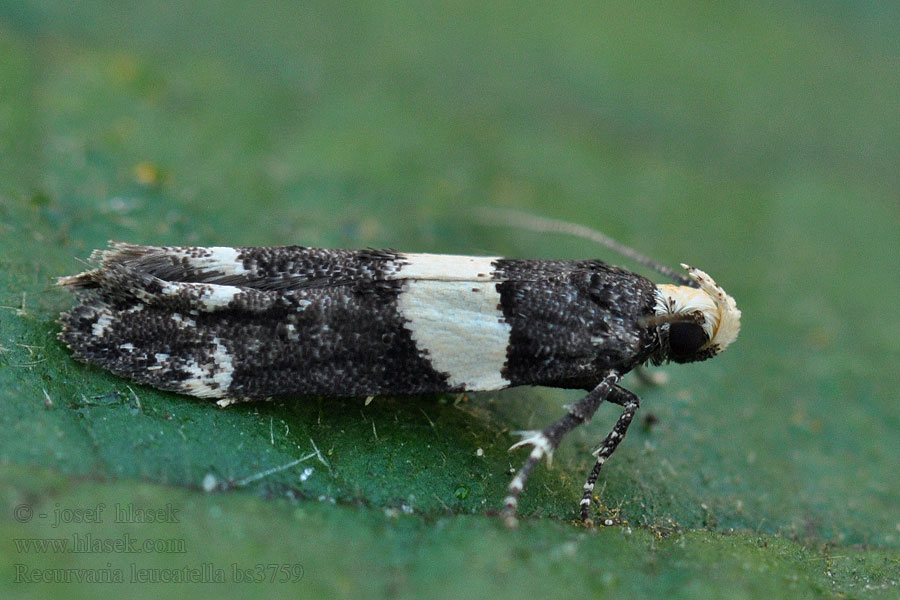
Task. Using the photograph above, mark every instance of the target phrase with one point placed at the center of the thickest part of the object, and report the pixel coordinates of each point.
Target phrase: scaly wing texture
(256, 322)
(247, 322)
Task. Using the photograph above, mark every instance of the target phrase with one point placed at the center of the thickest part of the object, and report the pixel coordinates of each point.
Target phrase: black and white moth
(249, 323)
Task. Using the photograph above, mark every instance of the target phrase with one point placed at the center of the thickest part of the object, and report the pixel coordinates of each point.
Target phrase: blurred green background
(759, 142)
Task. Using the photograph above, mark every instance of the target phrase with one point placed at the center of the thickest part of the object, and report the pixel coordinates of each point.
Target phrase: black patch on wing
(352, 342)
(572, 321)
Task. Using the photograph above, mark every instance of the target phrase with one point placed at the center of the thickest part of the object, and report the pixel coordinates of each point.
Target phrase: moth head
(695, 323)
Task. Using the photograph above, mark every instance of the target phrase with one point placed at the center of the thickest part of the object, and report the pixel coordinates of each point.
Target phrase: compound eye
(686, 339)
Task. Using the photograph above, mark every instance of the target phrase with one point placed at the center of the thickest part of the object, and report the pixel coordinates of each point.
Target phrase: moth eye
(686, 339)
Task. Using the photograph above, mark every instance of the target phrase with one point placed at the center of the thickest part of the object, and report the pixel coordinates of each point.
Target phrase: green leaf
(757, 143)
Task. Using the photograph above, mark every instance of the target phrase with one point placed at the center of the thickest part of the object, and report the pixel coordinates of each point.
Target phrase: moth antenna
(515, 218)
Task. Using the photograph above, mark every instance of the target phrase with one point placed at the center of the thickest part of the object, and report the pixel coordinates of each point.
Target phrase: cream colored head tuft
(716, 312)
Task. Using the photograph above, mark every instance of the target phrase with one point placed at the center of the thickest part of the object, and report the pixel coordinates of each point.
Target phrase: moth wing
(260, 268)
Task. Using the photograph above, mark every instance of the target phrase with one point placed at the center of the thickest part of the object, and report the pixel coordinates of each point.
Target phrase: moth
(235, 324)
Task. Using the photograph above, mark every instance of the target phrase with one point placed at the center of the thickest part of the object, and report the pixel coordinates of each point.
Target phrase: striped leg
(630, 403)
(546, 441)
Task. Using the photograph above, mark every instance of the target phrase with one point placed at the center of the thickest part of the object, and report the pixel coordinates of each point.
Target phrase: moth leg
(546, 441)
(630, 403)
